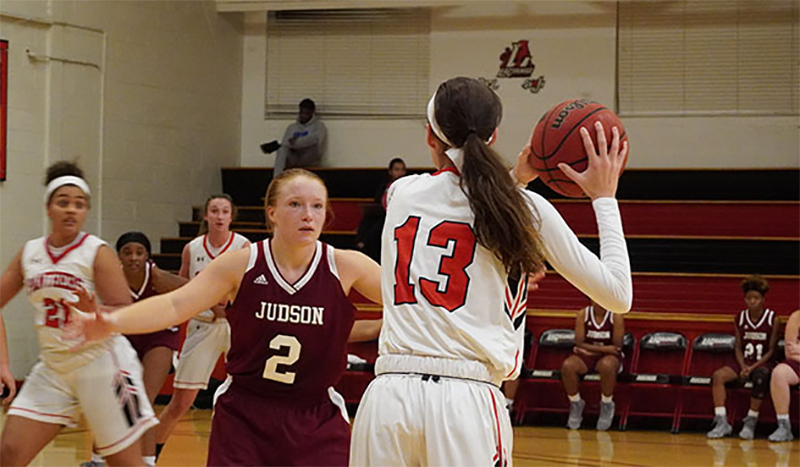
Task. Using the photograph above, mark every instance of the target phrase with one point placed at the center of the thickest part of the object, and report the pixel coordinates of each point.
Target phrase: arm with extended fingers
(218, 282)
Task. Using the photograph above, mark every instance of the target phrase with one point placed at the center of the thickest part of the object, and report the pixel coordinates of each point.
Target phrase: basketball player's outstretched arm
(219, 281)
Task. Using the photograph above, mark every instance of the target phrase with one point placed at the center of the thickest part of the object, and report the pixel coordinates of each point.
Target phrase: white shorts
(411, 419)
(203, 345)
(109, 390)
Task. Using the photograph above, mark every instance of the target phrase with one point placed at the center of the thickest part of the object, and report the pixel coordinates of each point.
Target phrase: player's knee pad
(760, 379)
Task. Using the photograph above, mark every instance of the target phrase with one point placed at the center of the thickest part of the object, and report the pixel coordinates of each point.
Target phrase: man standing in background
(301, 145)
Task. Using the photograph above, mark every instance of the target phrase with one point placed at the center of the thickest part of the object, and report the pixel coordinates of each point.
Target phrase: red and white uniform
(452, 311)
(206, 338)
(104, 379)
(755, 335)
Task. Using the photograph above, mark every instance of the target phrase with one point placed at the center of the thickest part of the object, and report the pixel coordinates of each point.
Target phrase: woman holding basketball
(457, 249)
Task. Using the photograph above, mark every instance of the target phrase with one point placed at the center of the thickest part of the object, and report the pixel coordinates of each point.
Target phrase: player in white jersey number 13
(457, 245)
(104, 380)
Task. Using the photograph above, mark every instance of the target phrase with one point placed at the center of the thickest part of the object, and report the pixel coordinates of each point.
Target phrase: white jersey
(202, 253)
(446, 296)
(51, 275)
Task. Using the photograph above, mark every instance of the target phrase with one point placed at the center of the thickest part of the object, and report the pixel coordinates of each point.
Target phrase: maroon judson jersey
(289, 341)
(755, 336)
(147, 290)
(601, 333)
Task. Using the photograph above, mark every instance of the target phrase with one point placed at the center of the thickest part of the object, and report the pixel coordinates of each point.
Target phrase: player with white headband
(103, 380)
(458, 247)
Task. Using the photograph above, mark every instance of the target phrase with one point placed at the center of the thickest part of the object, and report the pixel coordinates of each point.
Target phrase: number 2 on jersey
(452, 266)
(271, 368)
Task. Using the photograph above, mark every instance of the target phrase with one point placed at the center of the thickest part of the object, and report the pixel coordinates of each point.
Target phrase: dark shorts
(143, 343)
(591, 362)
(251, 430)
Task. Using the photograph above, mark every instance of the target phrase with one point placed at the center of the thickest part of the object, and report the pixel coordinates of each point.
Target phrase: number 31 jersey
(444, 295)
(289, 341)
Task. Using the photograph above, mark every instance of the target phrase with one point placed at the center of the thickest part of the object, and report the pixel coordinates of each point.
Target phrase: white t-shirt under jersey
(446, 296)
(51, 275)
(202, 253)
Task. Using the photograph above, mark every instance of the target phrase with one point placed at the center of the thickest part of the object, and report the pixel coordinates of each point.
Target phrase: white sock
(574, 398)
(606, 399)
(97, 458)
(752, 413)
(783, 416)
(149, 461)
(720, 412)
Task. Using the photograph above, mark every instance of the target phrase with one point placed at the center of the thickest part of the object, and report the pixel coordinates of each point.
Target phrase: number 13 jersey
(446, 296)
(289, 341)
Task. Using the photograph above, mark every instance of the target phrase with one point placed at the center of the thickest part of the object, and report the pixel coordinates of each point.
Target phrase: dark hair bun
(62, 168)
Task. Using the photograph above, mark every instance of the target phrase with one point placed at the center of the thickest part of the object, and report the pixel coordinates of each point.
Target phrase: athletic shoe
(748, 428)
(783, 433)
(575, 414)
(606, 415)
(721, 428)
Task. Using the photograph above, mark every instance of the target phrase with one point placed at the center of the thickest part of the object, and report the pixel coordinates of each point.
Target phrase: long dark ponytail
(468, 112)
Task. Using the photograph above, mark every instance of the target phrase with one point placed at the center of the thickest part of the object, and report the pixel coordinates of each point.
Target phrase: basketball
(557, 139)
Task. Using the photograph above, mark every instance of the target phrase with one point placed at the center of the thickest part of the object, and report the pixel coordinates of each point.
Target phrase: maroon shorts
(251, 430)
(794, 365)
(143, 343)
(591, 362)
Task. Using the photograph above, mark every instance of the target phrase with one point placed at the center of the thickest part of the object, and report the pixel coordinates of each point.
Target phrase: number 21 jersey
(755, 336)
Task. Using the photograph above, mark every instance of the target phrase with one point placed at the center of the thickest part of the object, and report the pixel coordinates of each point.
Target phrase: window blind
(351, 62)
(695, 57)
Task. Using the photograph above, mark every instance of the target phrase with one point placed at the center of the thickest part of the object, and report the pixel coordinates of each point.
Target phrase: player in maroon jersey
(598, 346)
(154, 350)
(785, 375)
(756, 335)
(290, 322)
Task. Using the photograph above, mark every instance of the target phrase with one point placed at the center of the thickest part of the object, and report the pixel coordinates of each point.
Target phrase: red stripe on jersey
(516, 364)
(447, 169)
(56, 259)
(224, 249)
(497, 426)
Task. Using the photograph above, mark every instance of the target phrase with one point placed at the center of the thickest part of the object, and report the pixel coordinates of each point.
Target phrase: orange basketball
(557, 138)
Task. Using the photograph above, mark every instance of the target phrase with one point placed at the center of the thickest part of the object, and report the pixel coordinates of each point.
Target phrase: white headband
(65, 180)
(455, 154)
